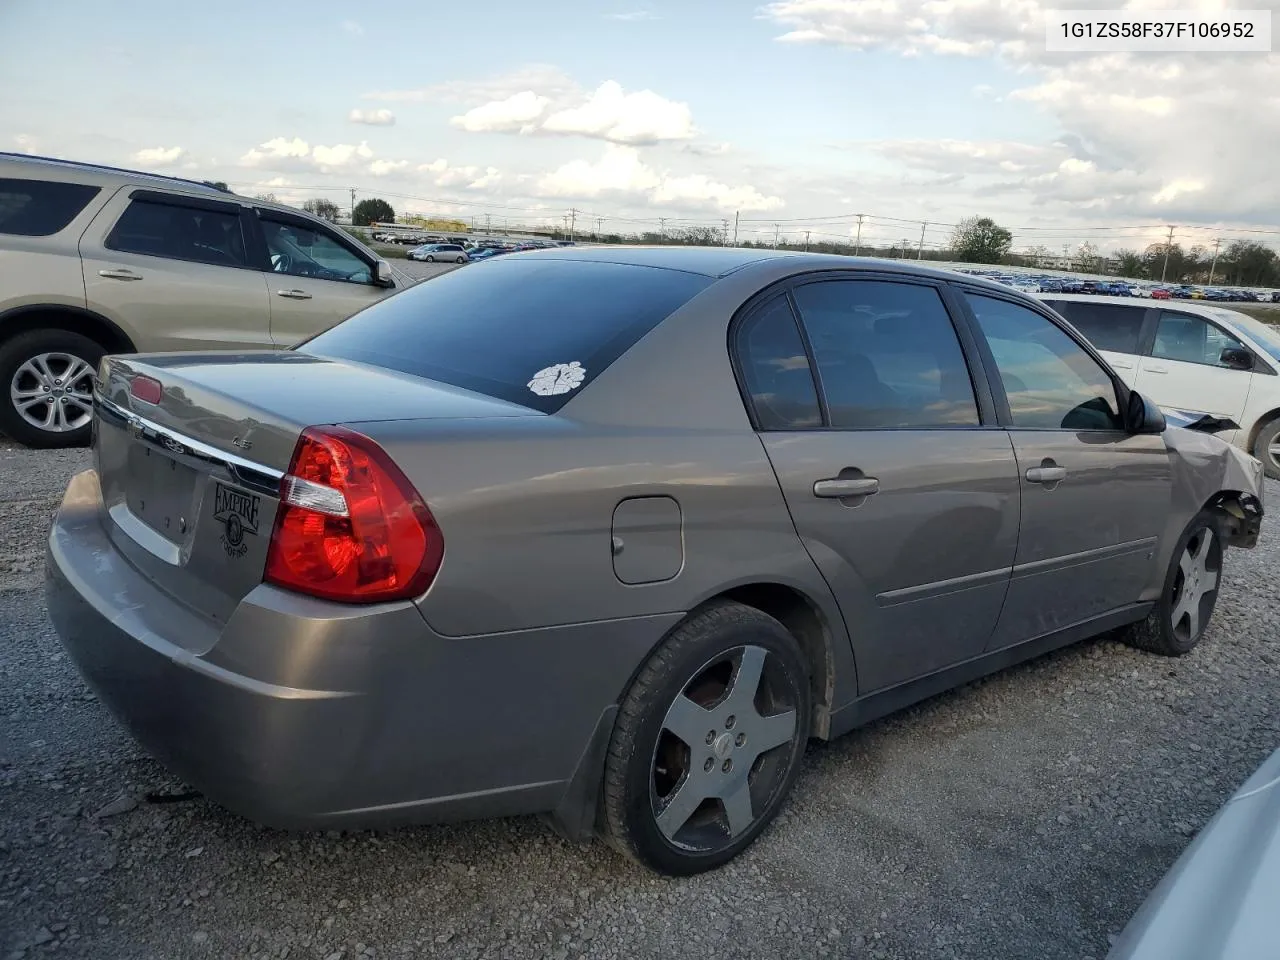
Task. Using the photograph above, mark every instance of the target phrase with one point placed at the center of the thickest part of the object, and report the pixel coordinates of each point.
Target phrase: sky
(784, 117)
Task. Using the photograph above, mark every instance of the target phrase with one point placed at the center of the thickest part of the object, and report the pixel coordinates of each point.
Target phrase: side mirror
(382, 274)
(1236, 358)
(1143, 415)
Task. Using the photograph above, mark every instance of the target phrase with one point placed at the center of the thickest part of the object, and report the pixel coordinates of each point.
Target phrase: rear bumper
(300, 713)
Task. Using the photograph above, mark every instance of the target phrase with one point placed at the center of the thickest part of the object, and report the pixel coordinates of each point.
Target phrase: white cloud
(340, 155)
(26, 143)
(609, 113)
(373, 118)
(516, 113)
(352, 29)
(633, 16)
(282, 153)
(1114, 111)
(614, 115)
(380, 168)
(159, 156)
(472, 178)
(620, 171)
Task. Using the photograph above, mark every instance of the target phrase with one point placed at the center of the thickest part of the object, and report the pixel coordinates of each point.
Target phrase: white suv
(1193, 357)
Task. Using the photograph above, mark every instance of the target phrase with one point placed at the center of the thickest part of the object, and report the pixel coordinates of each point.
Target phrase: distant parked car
(442, 252)
(97, 260)
(1160, 293)
(1192, 357)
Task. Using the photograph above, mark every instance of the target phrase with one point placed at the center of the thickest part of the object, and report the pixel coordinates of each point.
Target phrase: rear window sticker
(558, 378)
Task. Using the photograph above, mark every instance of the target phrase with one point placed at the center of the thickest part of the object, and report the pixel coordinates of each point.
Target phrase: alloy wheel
(53, 392)
(1195, 583)
(722, 754)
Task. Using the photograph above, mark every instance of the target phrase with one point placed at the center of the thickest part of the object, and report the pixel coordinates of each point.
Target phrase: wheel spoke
(41, 366)
(1193, 616)
(1185, 563)
(765, 733)
(1208, 582)
(26, 403)
(746, 679)
(84, 403)
(737, 806)
(688, 721)
(688, 796)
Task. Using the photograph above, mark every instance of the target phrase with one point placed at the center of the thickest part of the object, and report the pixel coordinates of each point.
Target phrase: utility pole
(857, 243)
(724, 232)
(806, 241)
(353, 206)
(736, 214)
(905, 248)
(1167, 247)
(599, 227)
(662, 227)
(487, 220)
(573, 223)
(1214, 266)
(920, 249)
(776, 228)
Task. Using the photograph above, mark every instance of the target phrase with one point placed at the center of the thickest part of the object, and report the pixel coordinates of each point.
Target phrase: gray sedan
(608, 534)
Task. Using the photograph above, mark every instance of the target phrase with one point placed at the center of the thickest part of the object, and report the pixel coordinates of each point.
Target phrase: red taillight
(146, 389)
(350, 525)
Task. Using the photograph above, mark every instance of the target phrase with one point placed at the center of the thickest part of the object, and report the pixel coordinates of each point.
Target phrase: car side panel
(527, 513)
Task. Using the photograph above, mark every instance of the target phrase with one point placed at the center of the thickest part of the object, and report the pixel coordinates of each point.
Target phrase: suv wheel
(1267, 448)
(47, 381)
(708, 741)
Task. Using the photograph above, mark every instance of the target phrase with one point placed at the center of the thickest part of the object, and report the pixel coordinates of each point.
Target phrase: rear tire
(1190, 593)
(708, 741)
(38, 359)
(1266, 447)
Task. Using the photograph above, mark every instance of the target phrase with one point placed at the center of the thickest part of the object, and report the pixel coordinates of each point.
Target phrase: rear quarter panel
(526, 506)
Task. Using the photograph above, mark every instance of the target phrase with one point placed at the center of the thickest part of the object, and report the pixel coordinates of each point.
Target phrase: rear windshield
(40, 208)
(533, 332)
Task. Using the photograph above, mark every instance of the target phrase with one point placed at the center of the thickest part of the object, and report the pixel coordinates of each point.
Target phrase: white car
(1188, 355)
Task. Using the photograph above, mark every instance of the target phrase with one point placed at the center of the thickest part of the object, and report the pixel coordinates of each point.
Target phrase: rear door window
(1114, 327)
(1191, 339)
(887, 355)
(40, 208)
(175, 231)
(775, 369)
(533, 332)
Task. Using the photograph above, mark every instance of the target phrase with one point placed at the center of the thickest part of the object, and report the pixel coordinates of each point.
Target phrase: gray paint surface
(952, 559)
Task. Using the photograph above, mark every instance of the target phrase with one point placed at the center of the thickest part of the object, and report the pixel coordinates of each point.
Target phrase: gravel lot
(1023, 816)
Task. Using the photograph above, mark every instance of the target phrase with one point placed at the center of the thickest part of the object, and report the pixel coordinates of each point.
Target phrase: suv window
(1184, 336)
(1114, 327)
(40, 208)
(887, 355)
(301, 251)
(1051, 382)
(532, 332)
(179, 232)
(775, 369)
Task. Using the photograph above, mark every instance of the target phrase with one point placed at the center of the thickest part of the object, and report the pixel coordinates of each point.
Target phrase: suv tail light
(350, 526)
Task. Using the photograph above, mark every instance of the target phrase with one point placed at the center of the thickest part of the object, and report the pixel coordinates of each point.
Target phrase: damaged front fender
(1212, 474)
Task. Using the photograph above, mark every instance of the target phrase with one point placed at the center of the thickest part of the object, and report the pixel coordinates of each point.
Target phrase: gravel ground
(1023, 816)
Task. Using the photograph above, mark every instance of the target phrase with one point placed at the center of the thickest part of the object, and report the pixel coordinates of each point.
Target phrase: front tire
(1190, 593)
(46, 387)
(1267, 448)
(708, 741)
(429, 258)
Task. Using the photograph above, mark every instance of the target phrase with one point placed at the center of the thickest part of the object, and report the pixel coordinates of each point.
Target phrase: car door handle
(1152, 368)
(1122, 364)
(1046, 474)
(294, 294)
(120, 274)
(839, 488)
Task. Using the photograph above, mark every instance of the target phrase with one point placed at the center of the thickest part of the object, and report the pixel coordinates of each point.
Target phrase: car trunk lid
(190, 484)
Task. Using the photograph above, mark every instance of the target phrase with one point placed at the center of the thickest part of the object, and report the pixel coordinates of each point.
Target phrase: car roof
(1221, 314)
(722, 261)
(102, 175)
